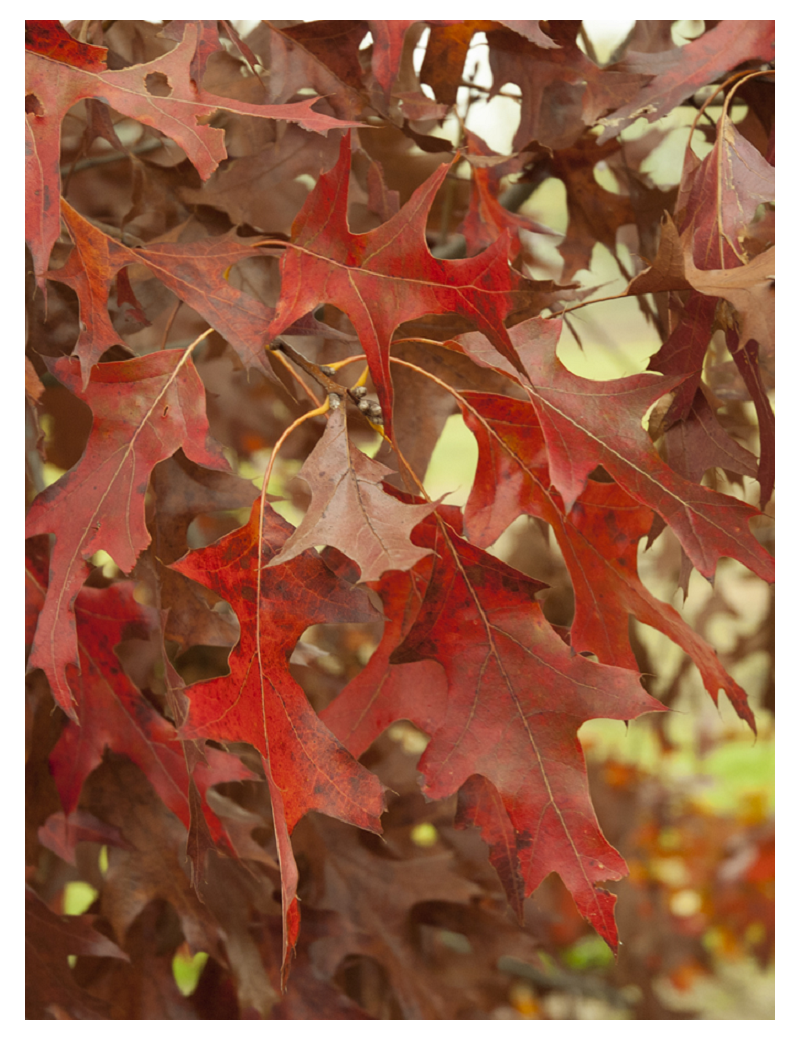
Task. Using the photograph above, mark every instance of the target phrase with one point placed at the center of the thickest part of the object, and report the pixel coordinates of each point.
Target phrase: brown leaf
(350, 510)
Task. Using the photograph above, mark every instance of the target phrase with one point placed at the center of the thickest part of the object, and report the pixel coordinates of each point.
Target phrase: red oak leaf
(562, 90)
(384, 692)
(717, 201)
(387, 50)
(144, 410)
(685, 69)
(52, 40)
(718, 198)
(50, 986)
(53, 87)
(116, 716)
(502, 718)
(486, 218)
(750, 288)
(61, 833)
(350, 510)
(387, 276)
(587, 423)
(595, 214)
(531, 31)
(259, 702)
(598, 538)
(194, 271)
(516, 697)
(445, 54)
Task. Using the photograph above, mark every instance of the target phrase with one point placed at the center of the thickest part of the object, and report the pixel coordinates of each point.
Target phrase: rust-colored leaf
(144, 410)
(350, 510)
(259, 702)
(367, 275)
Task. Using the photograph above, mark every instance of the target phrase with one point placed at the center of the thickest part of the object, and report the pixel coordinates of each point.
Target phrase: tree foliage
(278, 255)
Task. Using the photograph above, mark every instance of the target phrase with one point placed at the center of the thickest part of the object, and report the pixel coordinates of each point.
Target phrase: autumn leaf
(144, 410)
(259, 702)
(53, 87)
(389, 734)
(62, 832)
(682, 71)
(152, 863)
(598, 537)
(595, 214)
(116, 716)
(350, 510)
(505, 710)
(370, 702)
(516, 698)
(184, 492)
(373, 895)
(49, 940)
(582, 430)
(388, 38)
(486, 218)
(562, 90)
(367, 276)
(750, 288)
(195, 272)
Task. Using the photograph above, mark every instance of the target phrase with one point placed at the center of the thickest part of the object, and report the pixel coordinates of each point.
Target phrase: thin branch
(110, 157)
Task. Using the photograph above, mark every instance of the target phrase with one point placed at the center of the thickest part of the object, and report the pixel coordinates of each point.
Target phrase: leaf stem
(320, 410)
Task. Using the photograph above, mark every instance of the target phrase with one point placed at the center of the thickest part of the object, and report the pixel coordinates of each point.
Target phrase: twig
(110, 157)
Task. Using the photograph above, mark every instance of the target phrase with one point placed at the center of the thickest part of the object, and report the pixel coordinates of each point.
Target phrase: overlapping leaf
(50, 987)
(53, 87)
(194, 271)
(144, 410)
(117, 717)
(259, 702)
(515, 698)
(388, 276)
(562, 90)
(598, 537)
(350, 510)
(587, 423)
(686, 69)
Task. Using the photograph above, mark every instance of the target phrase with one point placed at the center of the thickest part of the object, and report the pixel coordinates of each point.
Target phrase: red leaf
(259, 702)
(387, 50)
(194, 271)
(116, 716)
(481, 805)
(350, 510)
(144, 410)
(517, 696)
(562, 90)
(587, 423)
(486, 218)
(52, 89)
(750, 288)
(598, 538)
(61, 833)
(384, 692)
(387, 276)
(50, 988)
(689, 67)
(52, 40)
